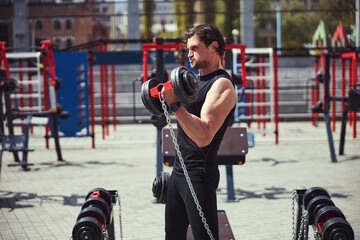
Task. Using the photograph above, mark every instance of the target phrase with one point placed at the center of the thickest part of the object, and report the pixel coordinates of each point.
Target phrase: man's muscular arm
(219, 101)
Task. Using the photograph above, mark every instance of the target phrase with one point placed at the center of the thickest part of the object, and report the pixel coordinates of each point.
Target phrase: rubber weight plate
(316, 204)
(164, 185)
(103, 194)
(159, 187)
(93, 212)
(185, 84)
(87, 228)
(152, 104)
(337, 229)
(97, 202)
(313, 192)
(326, 213)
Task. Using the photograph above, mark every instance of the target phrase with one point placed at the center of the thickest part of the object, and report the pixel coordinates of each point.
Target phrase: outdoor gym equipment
(316, 208)
(351, 103)
(183, 82)
(19, 143)
(96, 218)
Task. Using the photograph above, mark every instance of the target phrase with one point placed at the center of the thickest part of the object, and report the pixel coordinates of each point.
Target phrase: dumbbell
(314, 199)
(159, 187)
(182, 81)
(94, 213)
(332, 224)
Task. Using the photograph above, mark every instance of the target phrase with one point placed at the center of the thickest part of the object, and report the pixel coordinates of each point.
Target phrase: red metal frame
(3, 60)
(30, 93)
(21, 90)
(315, 93)
(150, 46)
(333, 105)
(257, 87)
(48, 57)
(276, 97)
(263, 87)
(102, 93)
(352, 83)
(113, 95)
(91, 98)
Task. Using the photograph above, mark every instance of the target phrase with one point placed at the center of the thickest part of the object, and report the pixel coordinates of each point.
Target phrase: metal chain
(187, 177)
(120, 217)
(317, 234)
(304, 221)
(303, 226)
(105, 233)
(293, 213)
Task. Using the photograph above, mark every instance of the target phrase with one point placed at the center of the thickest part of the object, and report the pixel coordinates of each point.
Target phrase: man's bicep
(219, 101)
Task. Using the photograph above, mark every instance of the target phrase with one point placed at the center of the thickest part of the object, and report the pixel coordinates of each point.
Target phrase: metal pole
(357, 16)
(327, 108)
(230, 185)
(278, 27)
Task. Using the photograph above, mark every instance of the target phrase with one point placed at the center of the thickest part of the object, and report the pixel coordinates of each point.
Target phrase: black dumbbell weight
(100, 192)
(183, 82)
(337, 229)
(151, 103)
(159, 187)
(87, 228)
(316, 204)
(93, 212)
(332, 224)
(97, 202)
(312, 193)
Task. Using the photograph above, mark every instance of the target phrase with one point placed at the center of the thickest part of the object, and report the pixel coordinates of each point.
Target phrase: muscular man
(201, 127)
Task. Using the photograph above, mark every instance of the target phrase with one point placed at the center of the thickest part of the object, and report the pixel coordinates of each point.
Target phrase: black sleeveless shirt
(201, 160)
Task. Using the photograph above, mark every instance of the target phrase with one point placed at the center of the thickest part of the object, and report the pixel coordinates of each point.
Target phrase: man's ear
(214, 46)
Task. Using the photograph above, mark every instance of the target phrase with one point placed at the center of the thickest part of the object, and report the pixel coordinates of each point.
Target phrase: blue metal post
(230, 185)
(278, 27)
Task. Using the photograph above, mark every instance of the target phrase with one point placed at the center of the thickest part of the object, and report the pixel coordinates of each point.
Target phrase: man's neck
(211, 68)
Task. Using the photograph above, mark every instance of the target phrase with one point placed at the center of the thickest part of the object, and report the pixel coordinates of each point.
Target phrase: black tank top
(201, 160)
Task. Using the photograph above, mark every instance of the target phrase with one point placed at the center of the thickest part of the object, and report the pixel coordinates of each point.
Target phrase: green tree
(147, 20)
(184, 15)
(264, 17)
(209, 8)
(229, 18)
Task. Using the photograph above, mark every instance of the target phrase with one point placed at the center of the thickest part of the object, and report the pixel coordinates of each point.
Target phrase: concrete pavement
(43, 203)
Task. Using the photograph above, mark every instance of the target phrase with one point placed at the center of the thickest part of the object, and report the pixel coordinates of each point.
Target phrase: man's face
(198, 53)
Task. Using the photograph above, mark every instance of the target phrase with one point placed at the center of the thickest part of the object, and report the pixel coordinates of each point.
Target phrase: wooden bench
(225, 232)
(232, 151)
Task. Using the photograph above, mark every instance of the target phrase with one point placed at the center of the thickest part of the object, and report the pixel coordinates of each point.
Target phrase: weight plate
(156, 187)
(93, 212)
(185, 84)
(190, 83)
(152, 104)
(316, 204)
(87, 228)
(313, 192)
(327, 213)
(159, 187)
(97, 202)
(103, 194)
(164, 184)
(337, 229)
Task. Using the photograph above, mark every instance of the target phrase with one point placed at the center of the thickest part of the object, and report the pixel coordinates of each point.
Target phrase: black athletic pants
(181, 210)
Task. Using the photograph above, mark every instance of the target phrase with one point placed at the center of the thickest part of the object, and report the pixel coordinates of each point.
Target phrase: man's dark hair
(207, 33)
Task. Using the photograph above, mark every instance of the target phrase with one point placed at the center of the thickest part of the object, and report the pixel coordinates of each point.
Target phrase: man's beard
(200, 64)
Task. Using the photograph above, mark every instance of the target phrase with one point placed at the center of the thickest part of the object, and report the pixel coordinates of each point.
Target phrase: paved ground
(43, 203)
